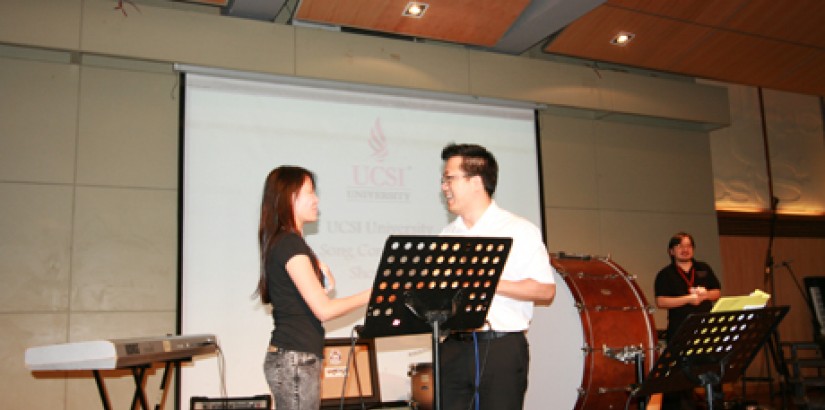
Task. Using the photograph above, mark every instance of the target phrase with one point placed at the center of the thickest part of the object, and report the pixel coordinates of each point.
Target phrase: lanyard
(683, 274)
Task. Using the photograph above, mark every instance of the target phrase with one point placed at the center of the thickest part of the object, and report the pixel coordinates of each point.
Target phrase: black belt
(484, 335)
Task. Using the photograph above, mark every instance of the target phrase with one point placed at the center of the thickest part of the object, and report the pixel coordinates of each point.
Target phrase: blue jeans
(294, 378)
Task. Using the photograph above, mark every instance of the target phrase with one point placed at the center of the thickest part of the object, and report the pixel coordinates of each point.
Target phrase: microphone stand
(769, 281)
(773, 344)
(808, 302)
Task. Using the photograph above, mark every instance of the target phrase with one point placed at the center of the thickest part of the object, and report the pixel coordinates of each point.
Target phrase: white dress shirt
(528, 259)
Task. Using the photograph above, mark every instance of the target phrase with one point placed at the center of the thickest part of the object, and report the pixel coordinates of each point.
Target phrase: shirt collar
(488, 214)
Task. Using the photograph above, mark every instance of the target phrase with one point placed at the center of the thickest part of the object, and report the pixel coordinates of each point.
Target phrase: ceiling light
(415, 9)
(622, 38)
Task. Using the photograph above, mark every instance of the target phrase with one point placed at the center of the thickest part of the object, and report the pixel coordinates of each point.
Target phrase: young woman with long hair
(292, 281)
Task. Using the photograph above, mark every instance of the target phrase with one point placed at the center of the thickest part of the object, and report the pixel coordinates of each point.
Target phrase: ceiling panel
(797, 21)
(748, 58)
(473, 22)
(704, 12)
(807, 79)
(659, 42)
(762, 43)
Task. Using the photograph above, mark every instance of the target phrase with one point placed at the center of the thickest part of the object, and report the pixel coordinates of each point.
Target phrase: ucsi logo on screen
(378, 174)
(377, 179)
(378, 142)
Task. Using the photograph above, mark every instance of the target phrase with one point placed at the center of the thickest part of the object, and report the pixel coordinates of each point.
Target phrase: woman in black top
(292, 281)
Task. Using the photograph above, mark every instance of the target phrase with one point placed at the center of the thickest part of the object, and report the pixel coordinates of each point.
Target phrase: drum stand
(710, 349)
(434, 284)
(636, 354)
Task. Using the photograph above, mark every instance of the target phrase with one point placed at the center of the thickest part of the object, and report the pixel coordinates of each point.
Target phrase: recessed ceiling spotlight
(415, 9)
(622, 38)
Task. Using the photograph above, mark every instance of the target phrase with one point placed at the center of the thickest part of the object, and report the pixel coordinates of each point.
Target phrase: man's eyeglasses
(448, 179)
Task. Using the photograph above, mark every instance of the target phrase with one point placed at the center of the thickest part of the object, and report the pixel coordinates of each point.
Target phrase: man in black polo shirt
(683, 287)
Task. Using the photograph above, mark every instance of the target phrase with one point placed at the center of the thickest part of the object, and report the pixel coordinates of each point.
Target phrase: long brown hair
(277, 215)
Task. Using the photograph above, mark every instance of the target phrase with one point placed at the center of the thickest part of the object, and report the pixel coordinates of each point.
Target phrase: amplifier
(263, 401)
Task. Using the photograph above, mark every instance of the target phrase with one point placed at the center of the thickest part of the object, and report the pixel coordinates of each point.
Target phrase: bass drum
(599, 326)
(421, 380)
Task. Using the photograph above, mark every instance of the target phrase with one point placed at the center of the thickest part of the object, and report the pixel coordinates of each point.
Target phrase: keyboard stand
(139, 374)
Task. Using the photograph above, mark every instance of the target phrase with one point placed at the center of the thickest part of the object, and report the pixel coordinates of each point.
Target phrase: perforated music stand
(711, 348)
(433, 283)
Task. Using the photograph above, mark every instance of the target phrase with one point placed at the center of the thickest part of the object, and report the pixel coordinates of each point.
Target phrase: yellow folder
(757, 299)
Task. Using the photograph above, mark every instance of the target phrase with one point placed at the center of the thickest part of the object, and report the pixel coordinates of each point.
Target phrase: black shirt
(296, 327)
(671, 283)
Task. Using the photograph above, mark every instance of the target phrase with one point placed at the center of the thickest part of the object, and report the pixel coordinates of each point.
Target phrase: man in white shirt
(487, 368)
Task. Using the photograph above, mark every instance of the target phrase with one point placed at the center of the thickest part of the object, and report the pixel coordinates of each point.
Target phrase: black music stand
(434, 283)
(710, 349)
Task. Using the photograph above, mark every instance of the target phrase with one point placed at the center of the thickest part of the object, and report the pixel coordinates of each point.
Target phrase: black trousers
(503, 365)
(679, 400)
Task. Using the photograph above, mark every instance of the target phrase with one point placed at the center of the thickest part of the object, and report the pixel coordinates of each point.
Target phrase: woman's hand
(305, 278)
(329, 279)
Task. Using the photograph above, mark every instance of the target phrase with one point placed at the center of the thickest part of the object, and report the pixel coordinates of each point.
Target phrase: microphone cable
(630, 397)
(222, 370)
(221, 376)
(478, 373)
(480, 365)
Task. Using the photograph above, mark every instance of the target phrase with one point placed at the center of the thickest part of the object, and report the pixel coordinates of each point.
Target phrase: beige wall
(793, 129)
(623, 190)
(88, 216)
(89, 148)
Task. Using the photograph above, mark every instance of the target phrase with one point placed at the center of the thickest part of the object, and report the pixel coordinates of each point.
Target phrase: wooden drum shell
(617, 323)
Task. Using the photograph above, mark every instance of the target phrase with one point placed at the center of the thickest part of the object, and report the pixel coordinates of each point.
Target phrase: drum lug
(587, 349)
(604, 390)
(626, 354)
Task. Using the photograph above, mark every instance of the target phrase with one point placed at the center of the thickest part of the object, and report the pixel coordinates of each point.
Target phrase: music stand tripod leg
(436, 366)
(708, 380)
(778, 360)
(639, 361)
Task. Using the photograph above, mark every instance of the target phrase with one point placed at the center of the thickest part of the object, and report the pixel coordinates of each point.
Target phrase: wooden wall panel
(743, 259)
(744, 266)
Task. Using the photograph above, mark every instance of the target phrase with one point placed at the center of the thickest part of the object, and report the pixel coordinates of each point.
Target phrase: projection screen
(377, 161)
